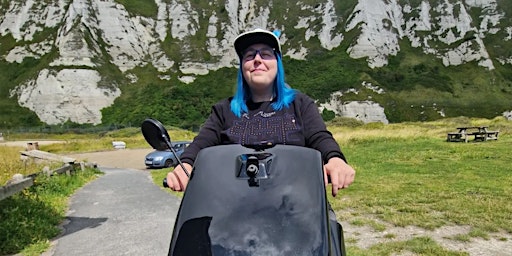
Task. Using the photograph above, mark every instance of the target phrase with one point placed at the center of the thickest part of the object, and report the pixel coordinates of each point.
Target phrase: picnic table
(480, 133)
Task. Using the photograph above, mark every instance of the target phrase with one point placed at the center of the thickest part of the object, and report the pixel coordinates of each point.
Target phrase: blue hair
(283, 93)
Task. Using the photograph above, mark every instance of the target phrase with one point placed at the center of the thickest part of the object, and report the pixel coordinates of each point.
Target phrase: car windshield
(178, 146)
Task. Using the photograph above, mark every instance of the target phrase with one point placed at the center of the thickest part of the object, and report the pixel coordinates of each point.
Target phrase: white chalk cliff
(87, 30)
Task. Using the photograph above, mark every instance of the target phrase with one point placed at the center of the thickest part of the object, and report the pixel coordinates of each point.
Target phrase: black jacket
(300, 124)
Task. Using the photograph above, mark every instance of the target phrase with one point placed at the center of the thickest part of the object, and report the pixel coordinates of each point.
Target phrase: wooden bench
(457, 136)
(485, 136)
(481, 134)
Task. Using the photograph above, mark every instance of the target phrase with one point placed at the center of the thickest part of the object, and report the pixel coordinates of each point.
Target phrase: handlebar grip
(164, 183)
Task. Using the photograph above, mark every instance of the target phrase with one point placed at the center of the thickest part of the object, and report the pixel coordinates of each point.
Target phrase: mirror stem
(169, 145)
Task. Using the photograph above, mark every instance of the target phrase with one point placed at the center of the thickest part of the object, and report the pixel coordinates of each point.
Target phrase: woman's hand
(177, 180)
(341, 174)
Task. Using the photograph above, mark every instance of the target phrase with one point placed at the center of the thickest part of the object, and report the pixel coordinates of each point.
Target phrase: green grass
(10, 164)
(416, 246)
(143, 8)
(158, 175)
(30, 219)
(429, 183)
(408, 177)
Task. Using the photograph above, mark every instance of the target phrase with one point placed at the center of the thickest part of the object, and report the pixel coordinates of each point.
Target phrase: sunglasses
(265, 53)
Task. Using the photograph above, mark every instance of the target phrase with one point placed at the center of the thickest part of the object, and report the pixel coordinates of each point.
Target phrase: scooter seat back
(240, 201)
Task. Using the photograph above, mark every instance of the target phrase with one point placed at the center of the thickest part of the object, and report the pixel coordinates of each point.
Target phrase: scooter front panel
(283, 213)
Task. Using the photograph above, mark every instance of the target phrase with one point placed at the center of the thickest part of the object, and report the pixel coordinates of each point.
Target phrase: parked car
(164, 159)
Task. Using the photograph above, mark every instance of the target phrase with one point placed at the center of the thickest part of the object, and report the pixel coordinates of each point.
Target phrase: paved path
(121, 213)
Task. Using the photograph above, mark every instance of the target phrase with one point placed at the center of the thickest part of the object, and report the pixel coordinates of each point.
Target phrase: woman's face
(259, 67)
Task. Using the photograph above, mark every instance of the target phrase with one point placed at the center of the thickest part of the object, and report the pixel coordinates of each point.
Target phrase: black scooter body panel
(283, 211)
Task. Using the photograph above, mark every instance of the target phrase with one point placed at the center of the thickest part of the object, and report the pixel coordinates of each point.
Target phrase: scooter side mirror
(155, 134)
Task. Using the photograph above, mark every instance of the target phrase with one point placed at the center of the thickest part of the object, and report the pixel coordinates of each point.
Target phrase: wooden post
(46, 170)
(32, 146)
(15, 187)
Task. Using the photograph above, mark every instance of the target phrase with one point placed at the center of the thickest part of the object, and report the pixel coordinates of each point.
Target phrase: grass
(144, 8)
(158, 175)
(10, 164)
(429, 183)
(416, 246)
(407, 175)
(35, 213)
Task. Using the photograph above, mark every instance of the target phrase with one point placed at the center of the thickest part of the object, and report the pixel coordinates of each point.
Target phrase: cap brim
(247, 39)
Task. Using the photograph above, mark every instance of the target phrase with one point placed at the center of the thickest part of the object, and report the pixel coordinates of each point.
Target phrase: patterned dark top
(300, 124)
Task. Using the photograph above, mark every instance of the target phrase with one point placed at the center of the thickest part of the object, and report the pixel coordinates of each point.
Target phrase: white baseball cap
(256, 36)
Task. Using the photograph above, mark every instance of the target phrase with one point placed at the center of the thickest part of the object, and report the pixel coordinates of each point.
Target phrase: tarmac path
(120, 213)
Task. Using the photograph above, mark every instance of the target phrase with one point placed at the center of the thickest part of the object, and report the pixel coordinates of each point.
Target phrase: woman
(265, 110)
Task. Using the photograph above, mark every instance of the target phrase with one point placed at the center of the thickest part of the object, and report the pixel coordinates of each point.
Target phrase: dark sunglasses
(265, 53)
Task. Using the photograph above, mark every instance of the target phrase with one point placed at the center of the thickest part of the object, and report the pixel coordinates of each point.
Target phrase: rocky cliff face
(80, 35)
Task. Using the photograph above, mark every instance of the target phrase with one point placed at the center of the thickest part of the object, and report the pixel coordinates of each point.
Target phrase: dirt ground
(119, 158)
(498, 244)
